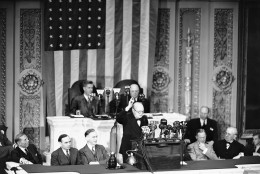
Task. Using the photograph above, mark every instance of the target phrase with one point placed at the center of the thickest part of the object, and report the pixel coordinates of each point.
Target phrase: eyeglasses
(139, 112)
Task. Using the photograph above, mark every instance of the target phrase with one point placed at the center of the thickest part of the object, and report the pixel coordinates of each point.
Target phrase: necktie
(93, 150)
(227, 145)
(67, 153)
(26, 151)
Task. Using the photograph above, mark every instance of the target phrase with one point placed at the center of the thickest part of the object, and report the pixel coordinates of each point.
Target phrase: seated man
(5, 148)
(65, 155)
(200, 150)
(209, 125)
(256, 141)
(25, 153)
(5, 144)
(229, 148)
(123, 102)
(86, 103)
(253, 149)
(131, 125)
(93, 153)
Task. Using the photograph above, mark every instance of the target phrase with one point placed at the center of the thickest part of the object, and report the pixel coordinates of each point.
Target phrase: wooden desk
(194, 167)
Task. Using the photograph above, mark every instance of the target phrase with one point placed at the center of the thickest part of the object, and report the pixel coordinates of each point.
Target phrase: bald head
(138, 110)
(134, 90)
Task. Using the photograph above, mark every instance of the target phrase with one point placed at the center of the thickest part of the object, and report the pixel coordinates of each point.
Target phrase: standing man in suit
(124, 99)
(131, 125)
(86, 103)
(93, 153)
(25, 153)
(200, 150)
(209, 125)
(229, 148)
(65, 155)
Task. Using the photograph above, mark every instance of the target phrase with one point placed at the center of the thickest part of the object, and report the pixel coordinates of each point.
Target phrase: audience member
(25, 153)
(131, 125)
(5, 148)
(93, 153)
(86, 103)
(65, 155)
(200, 150)
(209, 125)
(229, 148)
(256, 141)
(124, 99)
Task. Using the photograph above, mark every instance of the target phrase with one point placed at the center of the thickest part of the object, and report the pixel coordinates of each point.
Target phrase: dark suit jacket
(59, 158)
(194, 124)
(86, 155)
(87, 108)
(123, 103)
(131, 130)
(224, 153)
(34, 156)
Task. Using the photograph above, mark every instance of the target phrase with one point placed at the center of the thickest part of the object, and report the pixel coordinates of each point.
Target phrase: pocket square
(211, 129)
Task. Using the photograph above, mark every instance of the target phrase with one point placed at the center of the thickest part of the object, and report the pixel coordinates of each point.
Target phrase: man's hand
(3, 132)
(130, 104)
(25, 161)
(256, 154)
(202, 146)
(186, 141)
(93, 163)
(239, 155)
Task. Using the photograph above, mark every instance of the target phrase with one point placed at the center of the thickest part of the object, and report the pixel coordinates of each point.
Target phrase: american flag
(74, 24)
(129, 40)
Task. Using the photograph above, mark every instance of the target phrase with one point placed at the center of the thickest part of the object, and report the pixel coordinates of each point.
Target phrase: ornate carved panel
(3, 65)
(30, 81)
(222, 64)
(161, 77)
(30, 39)
(30, 117)
(190, 18)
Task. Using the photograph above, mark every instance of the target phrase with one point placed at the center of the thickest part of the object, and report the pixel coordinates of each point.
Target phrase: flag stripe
(127, 40)
(49, 80)
(66, 78)
(109, 50)
(74, 73)
(92, 66)
(100, 68)
(144, 44)
(136, 39)
(118, 40)
(83, 64)
(58, 62)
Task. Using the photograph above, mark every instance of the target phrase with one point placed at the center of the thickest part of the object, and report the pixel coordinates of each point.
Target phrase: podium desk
(76, 127)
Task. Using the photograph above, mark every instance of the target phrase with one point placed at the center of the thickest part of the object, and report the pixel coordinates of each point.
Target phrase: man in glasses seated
(132, 120)
(229, 148)
(119, 104)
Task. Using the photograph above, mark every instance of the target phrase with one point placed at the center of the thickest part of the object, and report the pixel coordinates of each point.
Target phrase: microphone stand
(115, 124)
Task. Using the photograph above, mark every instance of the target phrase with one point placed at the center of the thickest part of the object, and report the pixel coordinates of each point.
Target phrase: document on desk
(249, 166)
